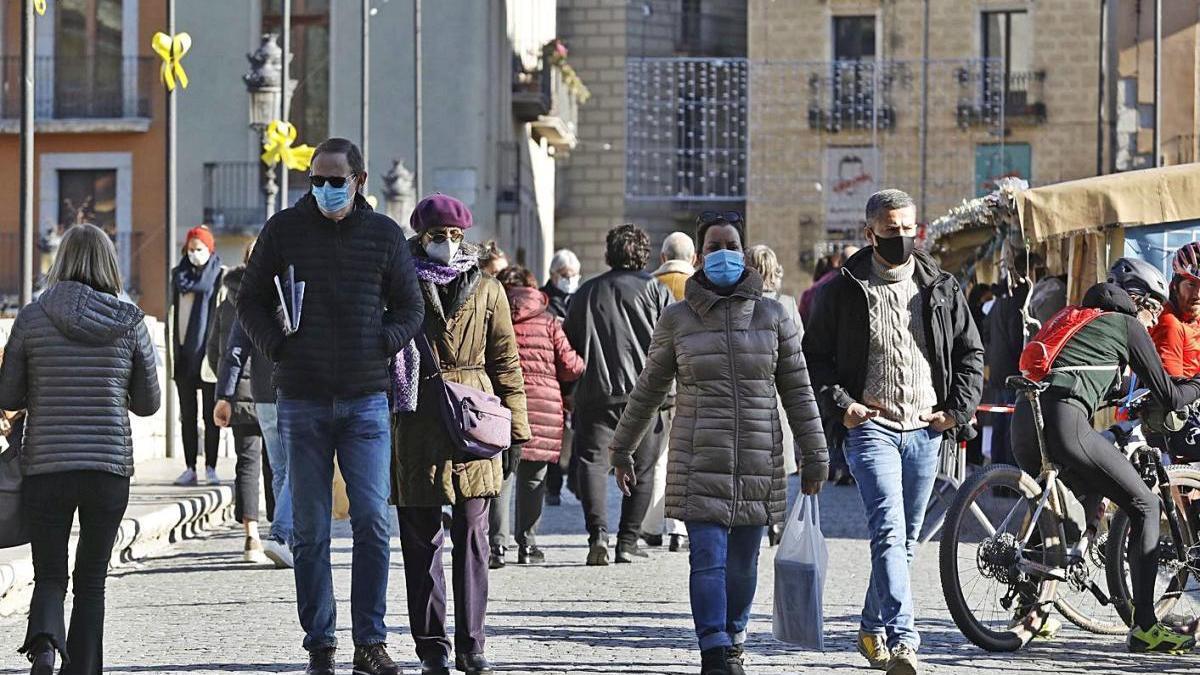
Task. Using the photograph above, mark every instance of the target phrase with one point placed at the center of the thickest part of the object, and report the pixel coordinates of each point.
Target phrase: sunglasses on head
(455, 236)
(710, 217)
(334, 181)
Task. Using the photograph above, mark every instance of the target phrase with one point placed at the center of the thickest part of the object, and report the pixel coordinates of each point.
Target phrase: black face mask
(895, 250)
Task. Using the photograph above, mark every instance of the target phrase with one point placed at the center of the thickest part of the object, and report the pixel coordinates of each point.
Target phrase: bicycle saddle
(1024, 384)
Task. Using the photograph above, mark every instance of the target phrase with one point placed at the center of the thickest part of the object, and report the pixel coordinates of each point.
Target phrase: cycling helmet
(1139, 278)
(1187, 261)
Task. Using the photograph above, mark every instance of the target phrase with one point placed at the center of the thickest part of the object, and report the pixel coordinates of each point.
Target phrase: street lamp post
(264, 84)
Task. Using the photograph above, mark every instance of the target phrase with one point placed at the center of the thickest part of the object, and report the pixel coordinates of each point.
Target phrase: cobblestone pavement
(198, 609)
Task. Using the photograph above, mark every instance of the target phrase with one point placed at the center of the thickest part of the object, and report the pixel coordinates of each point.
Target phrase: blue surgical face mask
(331, 199)
(724, 268)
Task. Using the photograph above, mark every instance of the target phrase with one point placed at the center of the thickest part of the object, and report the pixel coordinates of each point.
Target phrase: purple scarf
(407, 365)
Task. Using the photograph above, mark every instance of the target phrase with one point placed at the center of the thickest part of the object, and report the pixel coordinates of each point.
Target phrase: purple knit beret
(440, 210)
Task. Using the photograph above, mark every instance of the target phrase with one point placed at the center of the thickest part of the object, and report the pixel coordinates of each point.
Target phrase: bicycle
(1178, 488)
(1038, 556)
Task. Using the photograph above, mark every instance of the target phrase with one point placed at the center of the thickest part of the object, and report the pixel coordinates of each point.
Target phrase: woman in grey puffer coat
(79, 361)
(731, 351)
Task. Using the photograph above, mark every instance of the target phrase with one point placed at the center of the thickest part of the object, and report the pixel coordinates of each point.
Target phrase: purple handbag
(476, 421)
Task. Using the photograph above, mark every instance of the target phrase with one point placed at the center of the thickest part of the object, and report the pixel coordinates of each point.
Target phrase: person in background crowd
(763, 260)
(1007, 334)
(981, 300)
(827, 268)
(76, 353)
(361, 305)
(547, 362)
(241, 356)
(492, 260)
(1177, 340)
(468, 325)
(731, 350)
(610, 324)
(235, 408)
(893, 349)
(562, 284)
(678, 263)
(196, 285)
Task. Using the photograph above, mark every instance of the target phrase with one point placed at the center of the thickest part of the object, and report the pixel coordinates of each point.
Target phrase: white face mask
(442, 252)
(567, 285)
(199, 257)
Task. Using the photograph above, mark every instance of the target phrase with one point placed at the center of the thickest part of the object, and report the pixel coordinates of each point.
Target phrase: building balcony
(988, 94)
(854, 95)
(234, 202)
(549, 100)
(90, 95)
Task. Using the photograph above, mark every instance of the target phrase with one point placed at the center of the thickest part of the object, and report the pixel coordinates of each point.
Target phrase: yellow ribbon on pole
(172, 49)
(278, 147)
(39, 6)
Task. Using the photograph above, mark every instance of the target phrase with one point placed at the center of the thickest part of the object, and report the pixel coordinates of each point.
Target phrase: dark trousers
(556, 473)
(594, 430)
(50, 502)
(188, 413)
(248, 442)
(268, 480)
(529, 484)
(421, 540)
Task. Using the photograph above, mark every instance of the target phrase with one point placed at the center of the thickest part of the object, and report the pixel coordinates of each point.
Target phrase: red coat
(547, 360)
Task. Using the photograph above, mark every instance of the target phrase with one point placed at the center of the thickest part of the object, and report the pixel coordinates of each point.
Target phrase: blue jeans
(268, 421)
(724, 575)
(358, 431)
(895, 472)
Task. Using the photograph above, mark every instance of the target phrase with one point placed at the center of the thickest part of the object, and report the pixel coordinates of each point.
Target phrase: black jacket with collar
(610, 323)
(361, 300)
(837, 341)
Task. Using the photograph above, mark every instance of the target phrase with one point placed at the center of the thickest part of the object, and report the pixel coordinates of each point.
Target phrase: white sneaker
(253, 552)
(279, 553)
(210, 477)
(188, 477)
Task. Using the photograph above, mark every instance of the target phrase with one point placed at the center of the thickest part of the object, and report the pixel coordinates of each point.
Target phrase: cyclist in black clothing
(1088, 367)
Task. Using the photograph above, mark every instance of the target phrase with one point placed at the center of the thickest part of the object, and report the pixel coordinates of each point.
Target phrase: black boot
(734, 658)
(374, 660)
(530, 555)
(678, 543)
(598, 550)
(496, 561)
(435, 665)
(41, 656)
(320, 662)
(714, 661)
(473, 664)
(627, 551)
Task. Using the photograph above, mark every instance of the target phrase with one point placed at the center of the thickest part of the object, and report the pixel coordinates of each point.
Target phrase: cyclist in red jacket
(1177, 339)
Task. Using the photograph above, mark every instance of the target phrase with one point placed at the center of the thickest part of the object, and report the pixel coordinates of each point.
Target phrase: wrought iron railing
(987, 91)
(87, 88)
(855, 95)
(233, 196)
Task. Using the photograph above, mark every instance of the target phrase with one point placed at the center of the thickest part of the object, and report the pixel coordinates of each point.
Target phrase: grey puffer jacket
(732, 355)
(79, 361)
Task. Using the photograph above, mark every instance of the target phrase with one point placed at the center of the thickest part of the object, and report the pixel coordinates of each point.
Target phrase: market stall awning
(1145, 197)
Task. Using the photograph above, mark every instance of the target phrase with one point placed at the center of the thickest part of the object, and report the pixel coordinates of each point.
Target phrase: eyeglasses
(334, 181)
(455, 236)
(710, 217)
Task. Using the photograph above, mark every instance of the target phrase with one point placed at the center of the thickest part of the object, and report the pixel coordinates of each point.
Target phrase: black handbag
(13, 530)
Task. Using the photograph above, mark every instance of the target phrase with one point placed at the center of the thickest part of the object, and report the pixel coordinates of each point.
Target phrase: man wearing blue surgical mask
(361, 305)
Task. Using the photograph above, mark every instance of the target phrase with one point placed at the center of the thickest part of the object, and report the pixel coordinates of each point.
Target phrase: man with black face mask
(897, 364)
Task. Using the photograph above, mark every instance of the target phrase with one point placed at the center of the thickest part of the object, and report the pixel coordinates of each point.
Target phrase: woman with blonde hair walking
(76, 353)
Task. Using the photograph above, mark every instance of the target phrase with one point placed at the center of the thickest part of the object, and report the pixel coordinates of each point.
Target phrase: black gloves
(511, 458)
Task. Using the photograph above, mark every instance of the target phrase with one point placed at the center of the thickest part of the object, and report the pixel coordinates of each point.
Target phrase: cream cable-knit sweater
(899, 380)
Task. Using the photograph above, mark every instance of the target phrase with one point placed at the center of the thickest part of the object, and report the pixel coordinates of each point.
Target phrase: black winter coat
(239, 392)
(79, 361)
(610, 323)
(837, 339)
(361, 300)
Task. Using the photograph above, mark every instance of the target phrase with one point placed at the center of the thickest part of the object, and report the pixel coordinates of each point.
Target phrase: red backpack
(1039, 355)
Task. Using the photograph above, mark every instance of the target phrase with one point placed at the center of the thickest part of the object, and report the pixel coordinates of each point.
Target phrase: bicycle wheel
(1177, 588)
(1076, 601)
(995, 605)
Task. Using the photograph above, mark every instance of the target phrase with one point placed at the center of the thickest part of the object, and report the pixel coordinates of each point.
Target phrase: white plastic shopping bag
(800, 563)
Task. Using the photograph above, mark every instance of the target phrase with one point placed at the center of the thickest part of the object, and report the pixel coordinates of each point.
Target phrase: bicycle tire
(1116, 571)
(1015, 636)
